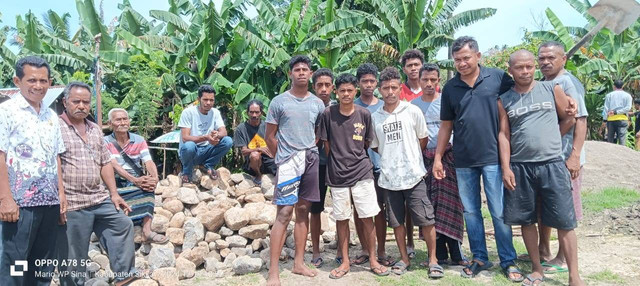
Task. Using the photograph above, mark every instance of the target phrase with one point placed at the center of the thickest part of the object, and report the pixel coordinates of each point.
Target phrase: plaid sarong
(444, 196)
(141, 202)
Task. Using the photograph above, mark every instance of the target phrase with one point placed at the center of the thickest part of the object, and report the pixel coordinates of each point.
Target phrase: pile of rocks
(219, 226)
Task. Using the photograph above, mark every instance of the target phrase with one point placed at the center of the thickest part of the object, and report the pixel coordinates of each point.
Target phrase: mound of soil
(610, 165)
(625, 221)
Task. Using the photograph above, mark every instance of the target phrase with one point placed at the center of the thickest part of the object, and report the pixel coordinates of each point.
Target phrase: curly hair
(389, 73)
(365, 69)
(412, 54)
(299, 59)
(346, 78)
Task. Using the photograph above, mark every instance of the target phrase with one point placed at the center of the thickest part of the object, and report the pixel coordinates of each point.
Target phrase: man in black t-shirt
(249, 136)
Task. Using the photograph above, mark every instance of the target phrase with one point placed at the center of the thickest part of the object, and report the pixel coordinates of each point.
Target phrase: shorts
(268, 166)
(576, 187)
(308, 187)
(364, 200)
(550, 181)
(416, 200)
(318, 207)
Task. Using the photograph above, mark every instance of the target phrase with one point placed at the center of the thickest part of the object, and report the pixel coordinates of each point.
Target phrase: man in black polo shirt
(469, 108)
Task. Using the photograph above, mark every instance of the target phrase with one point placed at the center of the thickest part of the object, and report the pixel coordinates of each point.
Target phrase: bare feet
(576, 282)
(304, 270)
(274, 279)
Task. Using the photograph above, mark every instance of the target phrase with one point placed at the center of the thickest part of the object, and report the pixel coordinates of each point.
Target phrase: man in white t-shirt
(400, 135)
(203, 137)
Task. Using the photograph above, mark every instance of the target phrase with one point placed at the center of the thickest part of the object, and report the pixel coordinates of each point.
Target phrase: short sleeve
(217, 120)
(323, 124)
(506, 82)
(420, 123)
(240, 137)
(374, 138)
(4, 130)
(185, 119)
(368, 135)
(446, 110)
(60, 148)
(145, 155)
(105, 155)
(112, 150)
(273, 114)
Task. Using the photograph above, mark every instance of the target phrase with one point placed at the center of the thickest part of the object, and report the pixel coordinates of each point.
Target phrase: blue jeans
(469, 188)
(209, 155)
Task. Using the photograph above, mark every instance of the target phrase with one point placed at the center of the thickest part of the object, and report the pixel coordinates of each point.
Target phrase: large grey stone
(245, 264)
(188, 196)
(174, 206)
(212, 220)
(236, 241)
(166, 276)
(193, 233)
(161, 257)
(254, 231)
(186, 269)
(235, 218)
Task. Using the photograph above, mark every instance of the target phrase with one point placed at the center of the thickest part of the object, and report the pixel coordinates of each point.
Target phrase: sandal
(317, 262)
(338, 260)
(511, 269)
(399, 268)
(257, 182)
(361, 259)
(475, 268)
(387, 261)
(378, 271)
(153, 238)
(411, 252)
(532, 280)
(213, 174)
(338, 273)
(185, 179)
(553, 268)
(436, 271)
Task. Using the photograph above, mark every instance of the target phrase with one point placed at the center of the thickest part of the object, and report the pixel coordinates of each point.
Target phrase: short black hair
(206, 88)
(412, 54)
(618, 83)
(33, 61)
(429, 67)
(389, 73)
(345, 78)
(299, 59)
(321, 72)
(550, 44)
(459, 43)
(365, 69)
(255, 102)
(74, 84)
(637, 101)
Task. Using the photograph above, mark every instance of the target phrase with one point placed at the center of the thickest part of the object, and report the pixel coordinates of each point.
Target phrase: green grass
(485, 213)
(605, 276)
(609, 198)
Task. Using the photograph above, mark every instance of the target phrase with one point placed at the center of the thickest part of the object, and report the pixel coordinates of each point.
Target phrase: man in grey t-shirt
(532, 165)
(203, 136)
(291, 124)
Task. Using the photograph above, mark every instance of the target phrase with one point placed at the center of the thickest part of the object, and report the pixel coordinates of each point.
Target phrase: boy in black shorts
(532, 117)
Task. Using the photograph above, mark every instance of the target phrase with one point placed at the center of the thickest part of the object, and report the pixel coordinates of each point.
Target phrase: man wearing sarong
(129, 151)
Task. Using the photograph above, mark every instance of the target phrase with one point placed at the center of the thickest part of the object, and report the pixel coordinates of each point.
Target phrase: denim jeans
(469, 188)
(209, 155)
(617, 131)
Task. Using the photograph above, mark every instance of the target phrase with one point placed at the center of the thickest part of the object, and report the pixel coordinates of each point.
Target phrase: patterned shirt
(136, 149)
(82, 163)
(31, 142)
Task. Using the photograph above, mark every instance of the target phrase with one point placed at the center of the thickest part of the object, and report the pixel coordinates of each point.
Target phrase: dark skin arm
(61, 194)
(579, 135)
(565, 120)
(423, 143)
(9, 210)
(270, 134)
(444, 134)
(108, 177)
(504, 145)
(246, 151)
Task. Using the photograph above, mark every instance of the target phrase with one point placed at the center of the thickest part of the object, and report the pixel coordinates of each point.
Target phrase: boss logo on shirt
(359, 127)
(393, 131)
(534, 107)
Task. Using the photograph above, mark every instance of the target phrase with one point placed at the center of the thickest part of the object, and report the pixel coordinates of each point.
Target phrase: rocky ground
(218, 233)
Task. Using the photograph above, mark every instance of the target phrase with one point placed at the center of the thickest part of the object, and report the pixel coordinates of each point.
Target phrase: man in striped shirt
(129, 151)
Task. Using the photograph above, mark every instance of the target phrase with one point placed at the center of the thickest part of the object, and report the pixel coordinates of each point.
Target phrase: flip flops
(475, 268)
(387, 261)
(378, 271)
(411, 252)
(155, 237)
(399, 268)
(553, 268)
(338, 273)
(436, 271)
(532, 280)
(361, 259)
(513, 269)
(213, 174)
(317, 262)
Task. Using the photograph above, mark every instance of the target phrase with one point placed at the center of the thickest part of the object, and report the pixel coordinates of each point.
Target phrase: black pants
(446, 246)
(31, 239)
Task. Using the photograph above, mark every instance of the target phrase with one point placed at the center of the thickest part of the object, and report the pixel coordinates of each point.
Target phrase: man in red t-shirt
(412, 61)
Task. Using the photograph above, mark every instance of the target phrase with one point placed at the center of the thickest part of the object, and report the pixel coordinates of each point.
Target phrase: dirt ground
(608, 241)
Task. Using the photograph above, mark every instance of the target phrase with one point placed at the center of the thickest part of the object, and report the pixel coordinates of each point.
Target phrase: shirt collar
(481, 76)
(113, 135)
(24, 104)
(65, 118)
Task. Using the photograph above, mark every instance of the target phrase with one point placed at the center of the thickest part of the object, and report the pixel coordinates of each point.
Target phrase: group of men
(391, 159)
